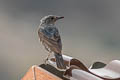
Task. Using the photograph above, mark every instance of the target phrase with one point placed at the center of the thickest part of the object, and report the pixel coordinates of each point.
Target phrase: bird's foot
(45, 61)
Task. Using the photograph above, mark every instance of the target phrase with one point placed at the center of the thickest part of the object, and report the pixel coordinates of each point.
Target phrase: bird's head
(50, 19)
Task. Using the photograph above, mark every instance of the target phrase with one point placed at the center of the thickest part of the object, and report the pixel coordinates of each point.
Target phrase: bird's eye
(52, 18)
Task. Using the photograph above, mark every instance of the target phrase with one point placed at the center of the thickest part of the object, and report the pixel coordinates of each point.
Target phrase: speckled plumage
(50, 38)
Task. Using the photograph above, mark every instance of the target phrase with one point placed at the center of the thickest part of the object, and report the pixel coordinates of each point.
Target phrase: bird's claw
(45, 61)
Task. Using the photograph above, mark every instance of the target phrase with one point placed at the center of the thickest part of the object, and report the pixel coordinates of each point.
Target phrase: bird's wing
(51, 38)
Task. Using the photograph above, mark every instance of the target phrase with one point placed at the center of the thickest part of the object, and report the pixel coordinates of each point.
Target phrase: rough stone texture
(38, 73)
(28, 75)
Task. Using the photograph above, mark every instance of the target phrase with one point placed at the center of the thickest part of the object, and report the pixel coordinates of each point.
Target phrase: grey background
(90, 32)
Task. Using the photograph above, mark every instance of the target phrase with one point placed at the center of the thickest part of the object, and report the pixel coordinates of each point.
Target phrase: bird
(50, 38)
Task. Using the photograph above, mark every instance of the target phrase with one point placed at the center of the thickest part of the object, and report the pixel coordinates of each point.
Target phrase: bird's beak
(59, 17)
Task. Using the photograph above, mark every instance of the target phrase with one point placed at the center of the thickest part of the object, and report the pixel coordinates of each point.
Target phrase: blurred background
(90, 32)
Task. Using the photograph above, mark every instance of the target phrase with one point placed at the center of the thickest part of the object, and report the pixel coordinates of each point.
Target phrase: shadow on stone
(98, 65)
(53, 70)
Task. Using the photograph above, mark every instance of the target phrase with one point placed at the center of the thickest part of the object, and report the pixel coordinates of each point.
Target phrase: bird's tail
(59, 61)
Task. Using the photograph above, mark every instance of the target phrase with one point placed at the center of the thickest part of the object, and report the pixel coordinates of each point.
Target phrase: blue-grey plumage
(50, 38)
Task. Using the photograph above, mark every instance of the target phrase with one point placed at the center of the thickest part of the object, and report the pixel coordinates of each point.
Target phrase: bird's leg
(46, 59)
